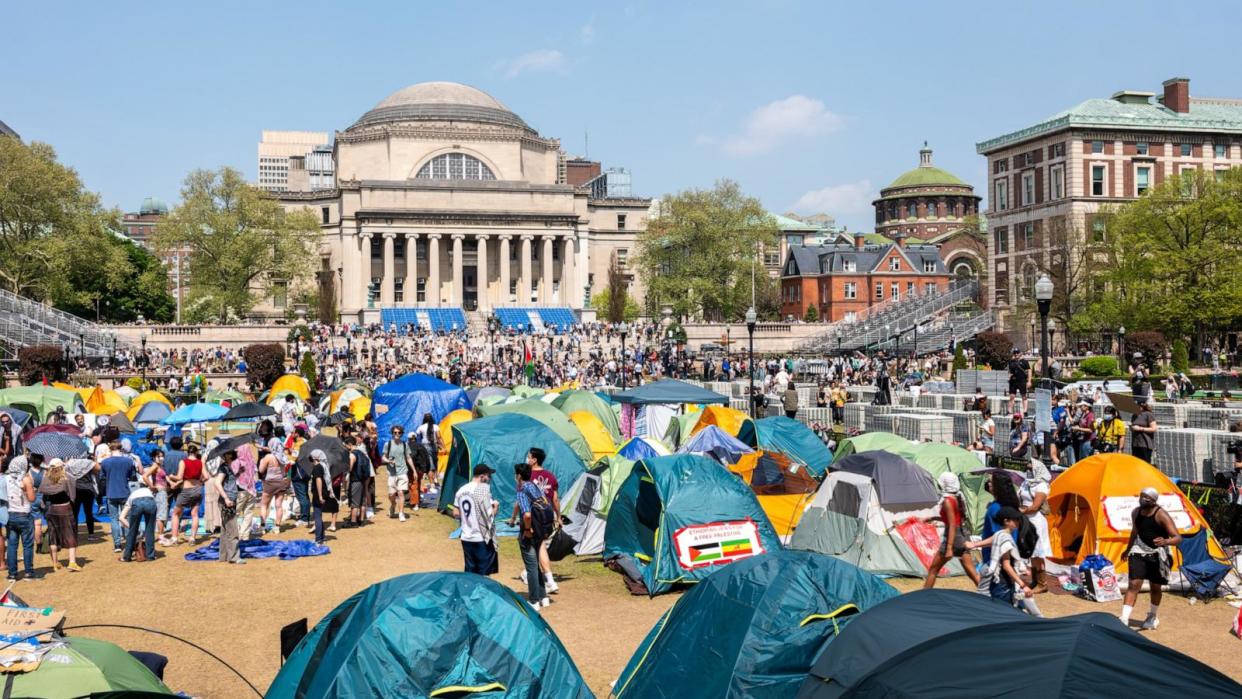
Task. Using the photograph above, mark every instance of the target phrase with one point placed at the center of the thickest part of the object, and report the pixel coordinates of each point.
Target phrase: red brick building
(842, 279)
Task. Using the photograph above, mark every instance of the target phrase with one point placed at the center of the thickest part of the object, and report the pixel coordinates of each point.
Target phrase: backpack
(1028, 538)
(542, 518)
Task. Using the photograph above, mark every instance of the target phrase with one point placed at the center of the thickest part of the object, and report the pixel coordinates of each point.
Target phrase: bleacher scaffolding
(24, 322)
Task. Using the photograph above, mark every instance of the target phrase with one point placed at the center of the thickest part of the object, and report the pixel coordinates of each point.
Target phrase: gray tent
(900, 481)
(586, 503)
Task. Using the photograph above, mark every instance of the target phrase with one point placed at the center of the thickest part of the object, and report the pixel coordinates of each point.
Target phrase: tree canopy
(239, 240)
(698, 253)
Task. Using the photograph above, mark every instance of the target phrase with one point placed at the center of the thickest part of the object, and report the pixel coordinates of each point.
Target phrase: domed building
(447, 199)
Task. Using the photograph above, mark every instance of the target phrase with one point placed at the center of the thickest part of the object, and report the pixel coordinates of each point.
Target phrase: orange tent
(1091, 504)
(727, 419)
(446, 435)
(782, 487)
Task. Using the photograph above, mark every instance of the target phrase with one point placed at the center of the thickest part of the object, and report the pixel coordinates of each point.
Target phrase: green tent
(573, 401)
(679, 428)
(551, 418)
(42, 400)
(85, 667)
(938, 457)
(677, 519)
(872, 441)
(765, 620)
(221, 396)
(500, 441)
(524, 391)
(431, 635)
(586, 503)
(795, 440)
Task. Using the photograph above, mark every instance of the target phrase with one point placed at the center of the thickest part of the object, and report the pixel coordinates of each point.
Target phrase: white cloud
(837, 199)
(774, 124)
(587, 33)
(541, 61)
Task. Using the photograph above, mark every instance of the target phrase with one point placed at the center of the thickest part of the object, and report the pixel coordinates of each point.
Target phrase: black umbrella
(337, 418)
(245, 411)
(232, 443)
(338, 456)
(56, 445)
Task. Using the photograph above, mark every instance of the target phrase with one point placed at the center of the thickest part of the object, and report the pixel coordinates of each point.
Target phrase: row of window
(1185, 150)
(421, 247)
(793, 292)
(932, 209)
(420, 290)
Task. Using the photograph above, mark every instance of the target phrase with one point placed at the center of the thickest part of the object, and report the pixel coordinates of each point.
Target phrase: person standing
(953, 544)
(1019, 437)
(118, 470)
(474, 506)
(987, 432)
(58, 491)
(839, 398)
(427, 435)
(1152, 532)
(275, 483)
(1033, 499)
(319, 492)
(1143, 429)
(791, 401)
(397, 459)
(288, 414)
(359, 472)
(1019, 380)
(297, 479)
(528, 494)
(189, 479)
(139, 510)
(1082, 431)
(224, 485)
(21, 527)
(1110, 432)
(548, 485)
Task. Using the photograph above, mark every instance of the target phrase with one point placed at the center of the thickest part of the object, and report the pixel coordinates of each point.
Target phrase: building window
(912, 211)
(931, 209)
(894, 264)
(909, 288)
(1188, 181)
(1097, 180)
(1028, 235)
(879, 291)
(327, 214)
(929, 288)
(771, 259)
(377, 248)
(1222, 150)
(1186, 150)
(398, 290)
(1000, 166)
(1002, 195)
(620, 222)
(794, 240)
(420, 290)
(623, 257)
(1142, 180)
(1219, 174)
(398, 249)
(851, 290)
(280, 294)
(1056, 150)
(454, 166)
(1028, 188)
(1098, 229)
(1002, 241)
(1141, 148)
(1097, 146)
(849, 265)
(894, 290)
(1058, 181)
(929, 266)
(1028, 282)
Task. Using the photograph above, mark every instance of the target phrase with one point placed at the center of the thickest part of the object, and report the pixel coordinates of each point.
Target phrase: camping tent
(292, 382)
(794, 439)
(1090, 506)
(640, 448)
(430, 635)
(783, 487)
(487, 394)
(575, 401)
(679, 427)
(677, 518)
(501, 441)
(228, 398)
(593, 431)
(899, 481)
(41, 401)
(668, 392)
(446, 434)
(872, 441)
(150, 413)
(551, 418)
(847, 520)
(735, 422)
(716, 444)
(586, 503)
(937, 458)
(1078, 655)
(765, 621)
(100, 402)
(85, 667)
(405, 401)
(146, 397)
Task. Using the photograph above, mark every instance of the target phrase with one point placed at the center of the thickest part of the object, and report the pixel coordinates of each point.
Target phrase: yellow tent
(727, 419)
(596, 434)
(782, 488)
(446, 435)
(292, 382)
(359, 407)
(142, 399)
(339, 399)
(66, 387)
(100, 402)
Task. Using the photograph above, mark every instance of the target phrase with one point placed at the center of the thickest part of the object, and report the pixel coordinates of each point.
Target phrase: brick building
(1050, 181)
(841, 279)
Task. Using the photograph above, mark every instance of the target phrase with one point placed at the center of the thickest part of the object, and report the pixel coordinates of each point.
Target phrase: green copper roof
(791, 224)
(924, 176)
(1205, 115)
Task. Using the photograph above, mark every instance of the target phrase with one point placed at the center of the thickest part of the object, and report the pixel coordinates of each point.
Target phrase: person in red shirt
(546, 482)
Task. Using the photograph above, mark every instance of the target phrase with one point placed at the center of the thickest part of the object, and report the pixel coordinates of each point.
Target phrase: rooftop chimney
(1177, 94)
(900, 239)
(925, 156)
(859, 241)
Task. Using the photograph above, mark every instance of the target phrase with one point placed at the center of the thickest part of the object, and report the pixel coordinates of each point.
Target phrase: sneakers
(74, 567)
(402, 517)
(116, 549)
(1151, 623)
(533, 605)
(545, 603)
(551, 586)
(522, 576)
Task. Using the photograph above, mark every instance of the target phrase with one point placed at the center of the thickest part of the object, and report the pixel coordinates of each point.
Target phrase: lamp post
(623, 329)
(143, 361)
(1052, 336)
(888, 334)
(1043, 298)
(1031, 337)
(1121, 347)
(751, 318)
(493, 323)
(916, 341)
(838, 334)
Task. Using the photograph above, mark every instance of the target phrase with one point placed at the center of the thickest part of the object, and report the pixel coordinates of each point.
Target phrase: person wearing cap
(1082, 430)
(1019, 380)
(1152, 532)
(474, 506)
(1143, 430)
(953, 544)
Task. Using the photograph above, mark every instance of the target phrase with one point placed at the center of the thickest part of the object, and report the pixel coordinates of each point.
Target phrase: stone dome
(926, 175)
(440, 101)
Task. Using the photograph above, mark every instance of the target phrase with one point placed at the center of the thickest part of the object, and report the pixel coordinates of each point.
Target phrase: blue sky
(812, 106)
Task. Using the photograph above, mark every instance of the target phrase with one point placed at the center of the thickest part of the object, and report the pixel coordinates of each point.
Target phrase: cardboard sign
(20, 621)
(701, 545)
(1043, 410)
(1118, 511)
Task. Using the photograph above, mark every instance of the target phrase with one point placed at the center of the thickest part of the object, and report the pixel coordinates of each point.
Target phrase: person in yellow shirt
(839, 398)
(1110, 432)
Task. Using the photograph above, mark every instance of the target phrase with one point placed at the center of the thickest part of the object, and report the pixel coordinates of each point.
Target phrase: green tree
(959, 359)
(602, 303)
(1181, 358)
(811, 315)
(307, 369)
(701, 250)
(239, 240)
(127, 281)
(618, 292)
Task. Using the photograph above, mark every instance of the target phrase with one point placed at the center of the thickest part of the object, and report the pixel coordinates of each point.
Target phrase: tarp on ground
(639, 448)
(784, 487)
(575, 401)
(765, 621)
(790, 437)
(259, 548)
(678, 518)
(1090, 505)
(912, 646)
(872, 441)
(86, 667)
(668, 392)
(404, 401)
(292, 382)
(500, 441)
(596, 435)
(41, 401)
(716, 444)
(586, 503)
(551, 418)
(431, 635)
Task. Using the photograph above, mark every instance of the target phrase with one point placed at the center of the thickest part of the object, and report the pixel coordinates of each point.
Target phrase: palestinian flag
(736, 548)
(703, 553)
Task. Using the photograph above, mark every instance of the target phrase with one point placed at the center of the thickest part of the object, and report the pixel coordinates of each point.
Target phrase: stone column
(459, 285)
(411, 269)
(545, 291)
(388, 283)
(524, 280)
(481, 275)
(364, 254)
(433, 270)
(569, 280)
(504, 269)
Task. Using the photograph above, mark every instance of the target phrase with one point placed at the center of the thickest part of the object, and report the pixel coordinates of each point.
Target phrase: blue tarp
(716, 443)
(194, 412)
(669, 391)
(258, 548)
(405, 401)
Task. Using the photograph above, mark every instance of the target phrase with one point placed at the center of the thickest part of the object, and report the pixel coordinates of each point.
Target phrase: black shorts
(1146, 567)
(1017, 388)
(481, 558)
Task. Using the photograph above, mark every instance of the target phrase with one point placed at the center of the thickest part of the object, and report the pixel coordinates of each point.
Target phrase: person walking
(528, 495)
(1033, 499)
(58, 491)
(224, 487)
(474, 506)
(189, 479)
(139, 510)
(1143, 428)
(427, 435)
(319, 492)
(550, 488)
(1152, 532)
(117, 470)
(1019, 381)
(20, 529)
(953, 543)
(399, 462)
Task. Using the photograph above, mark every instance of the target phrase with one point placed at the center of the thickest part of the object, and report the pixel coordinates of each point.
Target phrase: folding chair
(1199, 567)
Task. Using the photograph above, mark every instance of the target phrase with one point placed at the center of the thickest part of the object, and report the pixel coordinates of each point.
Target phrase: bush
(1101, 366)
(135, 382)
(39, 362)
(1181, 357)
(299, 332)
(959, 359)
(307, 369)
(811, 315)
(1151, 343)
(993, 349)
(265, 362)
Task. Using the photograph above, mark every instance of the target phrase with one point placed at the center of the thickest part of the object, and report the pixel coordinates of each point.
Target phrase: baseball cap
(1008, 512)
(483, 470)
(1017, 351)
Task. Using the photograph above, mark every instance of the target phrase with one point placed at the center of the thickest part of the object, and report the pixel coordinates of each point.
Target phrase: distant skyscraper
(277, 147)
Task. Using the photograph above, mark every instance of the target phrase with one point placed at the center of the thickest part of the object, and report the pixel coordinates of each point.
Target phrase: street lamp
(1052, 336)
(838, 334)
(493, 324)
(143, 361)
(1031, 337)
(1043, 298)
(1121, 346)
(623, 329)
(750, 356)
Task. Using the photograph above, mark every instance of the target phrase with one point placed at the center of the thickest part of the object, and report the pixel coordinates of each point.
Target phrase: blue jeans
(21, 528)
(114, 513)
(534, 577)
(317, 518)
(304, 506)
(144, 509)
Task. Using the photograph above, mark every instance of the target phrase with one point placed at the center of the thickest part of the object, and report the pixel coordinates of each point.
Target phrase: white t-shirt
(1002, 543)
(140, 492)
(473, 522)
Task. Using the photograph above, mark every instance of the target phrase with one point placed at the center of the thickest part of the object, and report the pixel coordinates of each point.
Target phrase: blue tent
(766, 619)
(639, 448)
(668, 391)
(714, 442)
(500, 441)
(431, 635)
(195, 412)
(151, 413)
(405, 401)
(676, 519)
(795, 440)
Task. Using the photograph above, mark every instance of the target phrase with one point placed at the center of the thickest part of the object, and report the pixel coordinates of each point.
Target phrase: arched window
(454, 166)
(912, 210)
(1028, 282)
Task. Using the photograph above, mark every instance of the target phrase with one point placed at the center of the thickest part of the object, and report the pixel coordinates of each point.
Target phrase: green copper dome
(926, 174)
